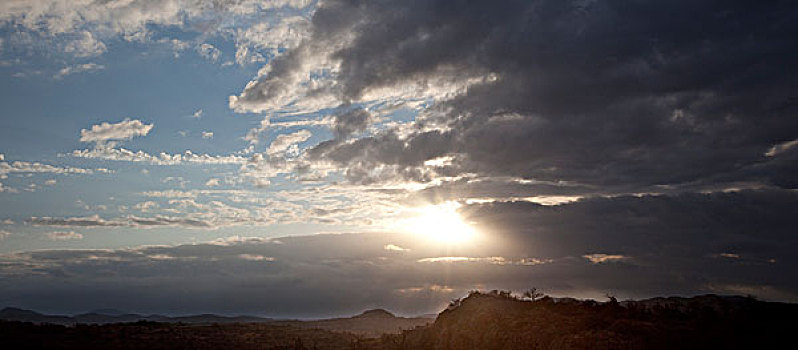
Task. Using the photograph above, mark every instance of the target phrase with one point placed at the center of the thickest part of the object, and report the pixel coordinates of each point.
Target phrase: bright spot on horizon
(440, 223)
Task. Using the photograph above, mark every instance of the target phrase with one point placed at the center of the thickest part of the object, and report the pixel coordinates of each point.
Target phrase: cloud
(603, 258)
(188, 157)
(781, 148)
(569, 249)
(130, 221)
(209, 52)
(394, 248)
(255, 257)
(283, 142)
(84, 25)
(146, 206)
(495, 260)
(253, 135)
(124, 130)
(79, 68)
(269, 36)
(105, 135)
(350, 122)
(64, 235)
(552, 93)
(36, 167)
(85, 46)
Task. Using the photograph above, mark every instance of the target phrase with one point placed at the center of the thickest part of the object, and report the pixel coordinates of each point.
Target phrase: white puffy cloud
(36, 167)
(283, 142)
(124, 130)
(122, 154)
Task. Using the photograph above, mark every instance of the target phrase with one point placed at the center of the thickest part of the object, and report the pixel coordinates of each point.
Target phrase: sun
(440, 223)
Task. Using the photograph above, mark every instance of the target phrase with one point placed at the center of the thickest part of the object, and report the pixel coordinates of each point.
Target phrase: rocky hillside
(500, 321)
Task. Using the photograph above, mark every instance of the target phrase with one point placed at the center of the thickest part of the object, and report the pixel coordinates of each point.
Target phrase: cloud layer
(628, 246)
(681, 94)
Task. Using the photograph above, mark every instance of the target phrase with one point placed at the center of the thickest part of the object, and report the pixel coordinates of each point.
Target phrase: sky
(299, 158)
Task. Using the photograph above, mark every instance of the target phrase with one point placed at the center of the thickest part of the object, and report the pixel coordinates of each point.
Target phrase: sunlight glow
(440, 223)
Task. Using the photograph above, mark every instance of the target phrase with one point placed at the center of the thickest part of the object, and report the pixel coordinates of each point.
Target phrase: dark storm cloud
(608, 93)
(630, 246)
(760, 223)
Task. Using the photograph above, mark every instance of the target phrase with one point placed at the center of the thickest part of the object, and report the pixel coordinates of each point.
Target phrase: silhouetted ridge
(500, 320)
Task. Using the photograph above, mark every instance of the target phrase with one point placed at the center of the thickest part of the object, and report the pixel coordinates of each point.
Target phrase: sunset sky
(298, 158)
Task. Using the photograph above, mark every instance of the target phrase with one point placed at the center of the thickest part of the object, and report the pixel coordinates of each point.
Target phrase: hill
(498, 320)
(371, 323)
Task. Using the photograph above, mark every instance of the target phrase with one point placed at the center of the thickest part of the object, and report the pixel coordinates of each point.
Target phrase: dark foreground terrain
(494, 320)
(497, 320)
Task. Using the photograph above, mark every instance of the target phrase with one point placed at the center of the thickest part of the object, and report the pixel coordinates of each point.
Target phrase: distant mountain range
(370, 323)
(106, 316)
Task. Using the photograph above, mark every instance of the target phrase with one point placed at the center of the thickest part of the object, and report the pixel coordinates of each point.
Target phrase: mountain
(115, 316)
(501, 321)
(16, 314)
(371, 323)
(109, 312)
(376, 314)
